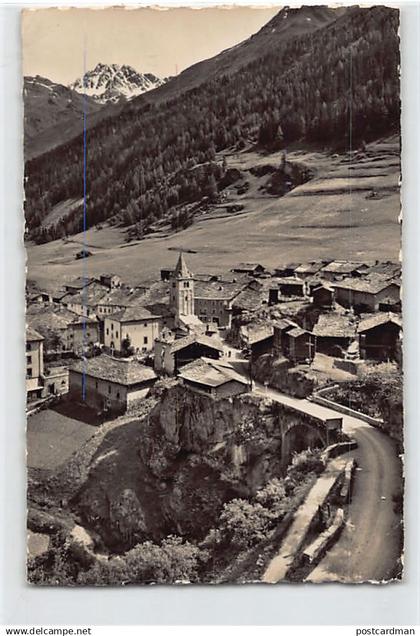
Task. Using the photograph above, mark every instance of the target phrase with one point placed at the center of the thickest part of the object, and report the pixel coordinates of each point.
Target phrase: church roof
(181, 269)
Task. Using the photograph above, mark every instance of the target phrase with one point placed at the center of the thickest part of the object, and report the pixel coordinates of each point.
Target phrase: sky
(159, 41)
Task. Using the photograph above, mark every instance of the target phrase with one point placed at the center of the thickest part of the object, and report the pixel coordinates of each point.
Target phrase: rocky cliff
(172, 471)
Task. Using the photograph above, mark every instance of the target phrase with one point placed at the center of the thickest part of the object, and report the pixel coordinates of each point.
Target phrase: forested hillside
(336, 86)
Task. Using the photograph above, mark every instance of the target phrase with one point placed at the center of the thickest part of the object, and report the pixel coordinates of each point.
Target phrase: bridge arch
(298, 436)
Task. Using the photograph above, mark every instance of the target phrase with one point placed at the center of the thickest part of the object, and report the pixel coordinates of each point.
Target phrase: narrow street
(370, 545)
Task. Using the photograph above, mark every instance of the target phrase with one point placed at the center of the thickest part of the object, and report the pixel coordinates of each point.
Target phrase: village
(102, 345)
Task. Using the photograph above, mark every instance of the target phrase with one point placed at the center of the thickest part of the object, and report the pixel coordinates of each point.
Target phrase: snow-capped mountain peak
(112, 82)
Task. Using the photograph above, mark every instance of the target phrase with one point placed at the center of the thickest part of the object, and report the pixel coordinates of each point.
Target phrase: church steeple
(182, 290)
(181, 269)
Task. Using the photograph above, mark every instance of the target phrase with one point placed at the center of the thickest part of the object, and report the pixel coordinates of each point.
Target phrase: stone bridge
(302, 424)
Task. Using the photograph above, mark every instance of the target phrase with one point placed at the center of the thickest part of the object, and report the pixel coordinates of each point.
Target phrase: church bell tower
(182, 290)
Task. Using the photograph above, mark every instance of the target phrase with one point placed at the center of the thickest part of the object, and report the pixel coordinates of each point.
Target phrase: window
(107, 331)
(112, 326)
(109, 388)
(96, 384)
(28, 359)
(28, 346)
(145, 340)
(29, 373)
(186, 284)
(118, 395)
(116, 335)
(145, 324)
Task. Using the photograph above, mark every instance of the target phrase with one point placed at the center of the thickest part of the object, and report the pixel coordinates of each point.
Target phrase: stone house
(118, 299)
(63, 330)
(366, 295)
(34, 364)
(85, 302)
(56, 380)
(137, 324)
(379, 337)
(213, 301)
(109, 384)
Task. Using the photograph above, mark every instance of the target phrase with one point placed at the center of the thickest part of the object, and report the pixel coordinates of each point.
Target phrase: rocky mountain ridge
(113, 82)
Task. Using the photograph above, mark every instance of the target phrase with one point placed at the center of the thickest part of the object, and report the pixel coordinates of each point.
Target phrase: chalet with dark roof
(293, 342)
(333, 334)
(171, 354)
(252, 269)
(323, 295)
(379, 337)
(213, 378)
(337, 270)
(291, 286)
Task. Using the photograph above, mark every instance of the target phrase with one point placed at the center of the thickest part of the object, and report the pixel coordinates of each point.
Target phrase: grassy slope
(329, 216)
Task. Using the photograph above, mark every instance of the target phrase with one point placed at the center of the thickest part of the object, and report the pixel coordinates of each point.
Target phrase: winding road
(370, 544)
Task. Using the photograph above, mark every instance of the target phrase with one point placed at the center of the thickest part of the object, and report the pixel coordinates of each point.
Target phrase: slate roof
(323, 285)
(186, 341)
(257, 333)
(104, 367)
(248, 300)
(132, 314)
(296, 332)
(32, 335)
(90, 295)
(218, 290)
(247, 267)
(122, 297)
(334, 326)
(371, 285)
(310, 268)
(157, 293)
(377, 320)
(80, 282)
(289, 280)
(210, 373)
(284, 323)
(341, 267)
(55, 317)
(387, 269)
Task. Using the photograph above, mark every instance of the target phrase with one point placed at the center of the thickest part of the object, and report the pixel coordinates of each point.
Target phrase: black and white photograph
(214, 384)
